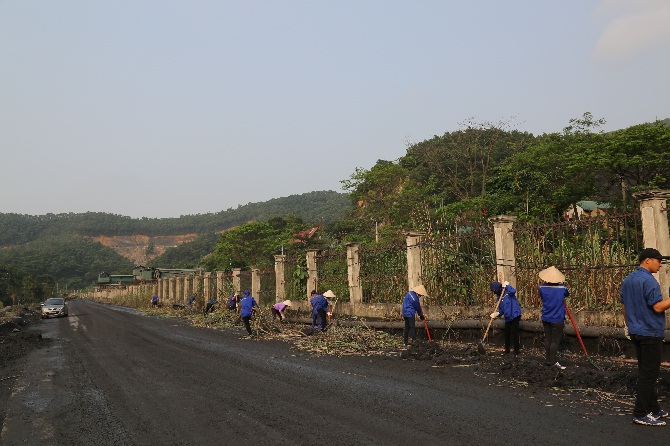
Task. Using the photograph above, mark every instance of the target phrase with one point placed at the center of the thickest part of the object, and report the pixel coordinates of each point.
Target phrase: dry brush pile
(336, 340)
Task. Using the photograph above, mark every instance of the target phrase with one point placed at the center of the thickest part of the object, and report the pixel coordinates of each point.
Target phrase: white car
(54, 306)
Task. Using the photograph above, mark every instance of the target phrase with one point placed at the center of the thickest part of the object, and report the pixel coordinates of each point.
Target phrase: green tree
(637, 156)
(250, 244)
(550, 174)
(376, 192)
(456, 165)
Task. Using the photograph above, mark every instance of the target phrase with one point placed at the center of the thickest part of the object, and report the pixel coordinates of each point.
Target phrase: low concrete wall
(605, 319)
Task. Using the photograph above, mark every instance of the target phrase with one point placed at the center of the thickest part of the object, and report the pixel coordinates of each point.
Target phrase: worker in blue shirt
(644, 312)
(190, 301)
(247, 305)
(316, 320)
(232, 301)
(553, 293)
(410, 307)
(510, 308)
(209, 308)
(320, 309)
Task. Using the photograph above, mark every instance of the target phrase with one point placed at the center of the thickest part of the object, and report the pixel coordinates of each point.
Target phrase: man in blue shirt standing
(644, 312)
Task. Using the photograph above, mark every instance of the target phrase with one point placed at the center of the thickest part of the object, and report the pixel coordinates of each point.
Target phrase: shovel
(480, 348)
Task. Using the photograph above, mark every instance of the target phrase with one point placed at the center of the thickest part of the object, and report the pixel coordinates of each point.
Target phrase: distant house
(303, 236)
(587, 209)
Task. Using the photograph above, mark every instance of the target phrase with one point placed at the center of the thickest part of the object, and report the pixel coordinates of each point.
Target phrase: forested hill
(312, 207)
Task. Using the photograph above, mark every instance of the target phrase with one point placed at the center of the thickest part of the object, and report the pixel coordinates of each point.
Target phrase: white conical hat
(329, 293)
(552, 275)
(288, 303)
(420, 289)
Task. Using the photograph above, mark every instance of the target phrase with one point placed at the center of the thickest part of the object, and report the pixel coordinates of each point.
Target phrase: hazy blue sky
(163, 108)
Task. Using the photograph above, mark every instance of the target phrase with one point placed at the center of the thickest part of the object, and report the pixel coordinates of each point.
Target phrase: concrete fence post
(237, 280)
(188, 287)
(207, 286)
(198, 288)
(414, 259)
(653, 207)
(166, 291)
(313, 275)
(280, 281)
(180, 290)
(220, 285)
(256, 290)
(504, 241)
(354, 274)
(165, 295)
(184, 289)
(161, 288)
(173, 290)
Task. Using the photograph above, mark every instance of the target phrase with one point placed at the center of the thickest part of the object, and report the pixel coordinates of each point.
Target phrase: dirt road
(110, 376)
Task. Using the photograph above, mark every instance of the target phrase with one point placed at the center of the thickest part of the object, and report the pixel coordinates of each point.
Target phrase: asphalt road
(111, 376)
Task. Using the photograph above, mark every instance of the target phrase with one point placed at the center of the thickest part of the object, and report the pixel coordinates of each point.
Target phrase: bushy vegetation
(73, 262)
(485, 169)
(20, 287)
(255, 244)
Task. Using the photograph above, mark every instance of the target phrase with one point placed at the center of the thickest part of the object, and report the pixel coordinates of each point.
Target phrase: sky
(162, 108)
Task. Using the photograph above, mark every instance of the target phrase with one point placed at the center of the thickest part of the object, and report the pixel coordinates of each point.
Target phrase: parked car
(54, 306)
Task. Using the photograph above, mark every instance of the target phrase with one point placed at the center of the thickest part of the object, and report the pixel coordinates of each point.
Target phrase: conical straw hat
(288, 303)
(329, 293)
(552, 275)
(420, 289)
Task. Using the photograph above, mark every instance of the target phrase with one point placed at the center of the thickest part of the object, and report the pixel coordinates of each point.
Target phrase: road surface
(111, 376)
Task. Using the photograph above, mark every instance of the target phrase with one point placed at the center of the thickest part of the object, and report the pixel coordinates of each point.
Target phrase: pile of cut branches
(223, 318)
(336, 340)
(339, 341)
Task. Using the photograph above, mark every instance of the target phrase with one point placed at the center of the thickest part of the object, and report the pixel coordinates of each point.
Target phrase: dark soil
(17, 339)
(609, 383)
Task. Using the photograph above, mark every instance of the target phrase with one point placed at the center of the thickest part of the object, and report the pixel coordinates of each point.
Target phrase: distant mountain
(316, 207)
(77, 247)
